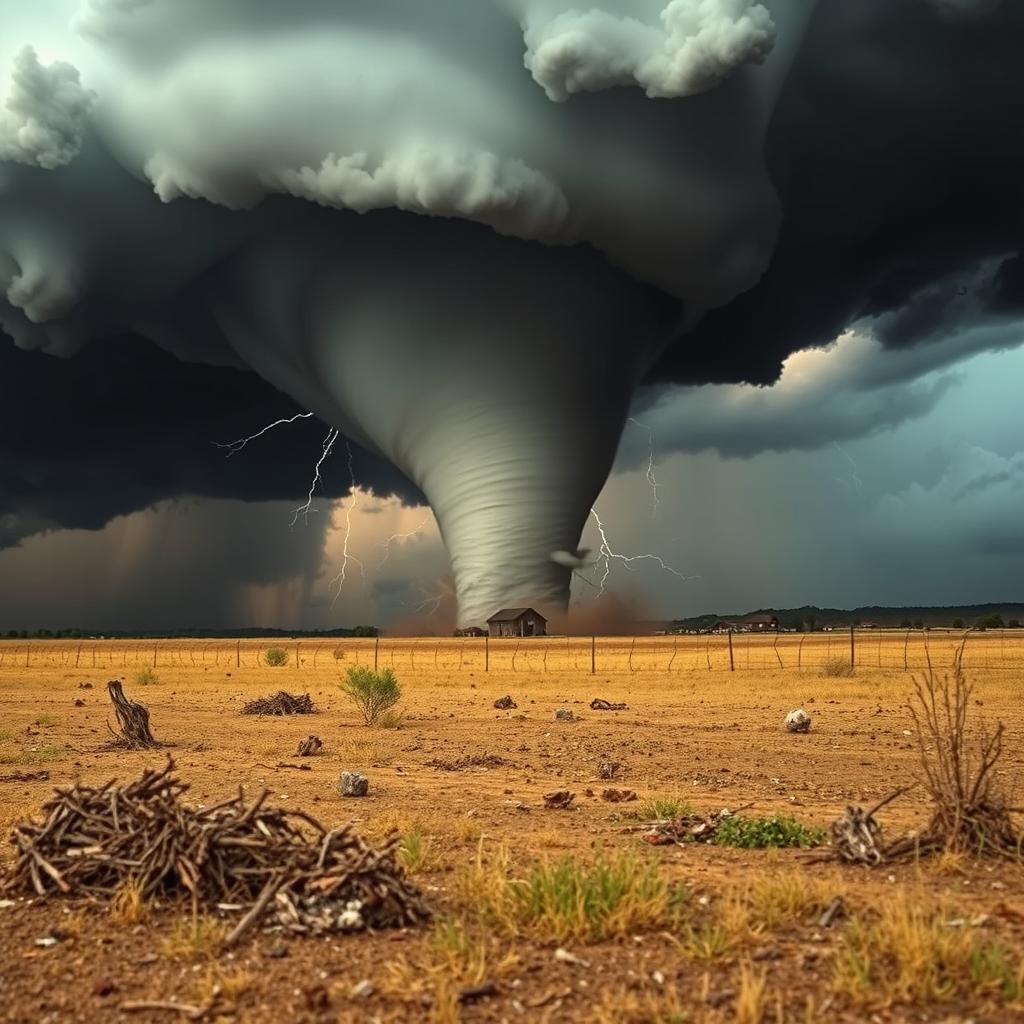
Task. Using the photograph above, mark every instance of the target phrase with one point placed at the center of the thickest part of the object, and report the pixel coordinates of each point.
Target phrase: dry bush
(837, 668)
(909, 953)
(969, 812)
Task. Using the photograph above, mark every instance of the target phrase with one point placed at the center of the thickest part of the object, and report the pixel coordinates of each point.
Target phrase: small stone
(609, 769)
(79, 703)
(103, 987)
(353, 784)
(563, 956)
(278, 952)
(798, 721)
(47, 942)
(363, 989)
(505, 703)
(564, 715)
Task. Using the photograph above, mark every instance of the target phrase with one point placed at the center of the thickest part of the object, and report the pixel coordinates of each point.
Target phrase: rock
(310, 746)
(353, 784)
(79, 703)
(609, 769)
(103, 987)
(561, 799)
(563, 956)
(564, 715)
(798, 721)
(505, 703)
(363, 989)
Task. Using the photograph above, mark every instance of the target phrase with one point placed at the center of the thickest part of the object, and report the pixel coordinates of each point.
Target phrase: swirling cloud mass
(463, 233)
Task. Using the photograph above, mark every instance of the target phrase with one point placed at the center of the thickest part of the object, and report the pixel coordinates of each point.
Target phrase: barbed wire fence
(828, 652)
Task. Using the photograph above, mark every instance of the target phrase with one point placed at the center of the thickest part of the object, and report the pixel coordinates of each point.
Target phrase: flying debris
(462, 234)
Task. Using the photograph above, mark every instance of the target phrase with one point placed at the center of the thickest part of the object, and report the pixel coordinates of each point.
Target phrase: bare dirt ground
(937, 941)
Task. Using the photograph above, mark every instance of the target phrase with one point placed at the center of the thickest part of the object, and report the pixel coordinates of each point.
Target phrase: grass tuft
(146, 676)
(566, 901)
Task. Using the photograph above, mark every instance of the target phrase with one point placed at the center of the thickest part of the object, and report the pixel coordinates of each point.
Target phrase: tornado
(460, 233)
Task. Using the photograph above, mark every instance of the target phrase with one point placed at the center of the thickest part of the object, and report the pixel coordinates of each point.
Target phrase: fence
(903, 651)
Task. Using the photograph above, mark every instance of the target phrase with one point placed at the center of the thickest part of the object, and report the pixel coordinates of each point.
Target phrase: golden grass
(565, 900)
(195, 937)
(129, 906)
(913, 952)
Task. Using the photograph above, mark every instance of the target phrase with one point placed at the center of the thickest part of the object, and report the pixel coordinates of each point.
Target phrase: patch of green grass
(46, 720)
(565, 900)
(662, 808)
(4, 735)
(415, 851)
(762, 833)
(706, 942)
(42, 755)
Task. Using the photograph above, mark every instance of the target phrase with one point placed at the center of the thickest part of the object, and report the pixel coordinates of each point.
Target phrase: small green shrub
(761, 833)
(373, 693)
(276, 656)
(146, 676)
(46, 720)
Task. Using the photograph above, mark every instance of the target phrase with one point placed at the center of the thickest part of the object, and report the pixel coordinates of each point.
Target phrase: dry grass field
(649, 933)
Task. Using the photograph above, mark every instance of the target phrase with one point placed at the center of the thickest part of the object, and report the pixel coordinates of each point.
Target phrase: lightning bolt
(606, 556)
(855, 473)
(400, 536)
(307, 507)
(651, 479)
(234, 447)
(346, 555)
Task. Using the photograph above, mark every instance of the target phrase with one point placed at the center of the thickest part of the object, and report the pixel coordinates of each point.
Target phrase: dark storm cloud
(895, 146)
(124, 425)
(898, 152)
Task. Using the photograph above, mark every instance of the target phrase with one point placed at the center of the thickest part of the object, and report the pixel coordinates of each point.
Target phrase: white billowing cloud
(853, 388)
(44, 115)
(697, 45)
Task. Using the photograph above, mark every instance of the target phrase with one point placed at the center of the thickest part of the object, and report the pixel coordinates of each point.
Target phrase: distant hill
(930, 615)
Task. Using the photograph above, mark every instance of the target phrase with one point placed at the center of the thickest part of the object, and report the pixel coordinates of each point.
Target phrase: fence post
(593, 654)
(376, 649)
(28, 653)
(906, 641)
(853, 651)
(238, 653)
(487, 653)
(732, 664)
(155, 646)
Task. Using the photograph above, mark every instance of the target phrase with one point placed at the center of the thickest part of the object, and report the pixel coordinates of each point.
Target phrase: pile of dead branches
(958, 760)
(279, 867)
(281, 703)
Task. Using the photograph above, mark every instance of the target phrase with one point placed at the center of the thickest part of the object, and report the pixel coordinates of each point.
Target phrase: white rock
(798, 721)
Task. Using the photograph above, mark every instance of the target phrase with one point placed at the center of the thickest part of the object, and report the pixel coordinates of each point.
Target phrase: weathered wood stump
(310, 746)
(132, 718)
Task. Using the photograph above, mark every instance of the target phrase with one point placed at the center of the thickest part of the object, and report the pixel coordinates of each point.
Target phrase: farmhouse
(759, 624)
(517, 622)
(471, 631)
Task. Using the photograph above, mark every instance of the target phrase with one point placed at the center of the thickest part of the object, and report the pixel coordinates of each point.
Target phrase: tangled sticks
(281, 703)
(95, 841)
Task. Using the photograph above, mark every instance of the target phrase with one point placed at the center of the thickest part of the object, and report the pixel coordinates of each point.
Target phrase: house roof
(512, 614)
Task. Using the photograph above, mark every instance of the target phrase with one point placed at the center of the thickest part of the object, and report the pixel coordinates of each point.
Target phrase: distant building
(759, 624)
(517, 622)
(471, 631)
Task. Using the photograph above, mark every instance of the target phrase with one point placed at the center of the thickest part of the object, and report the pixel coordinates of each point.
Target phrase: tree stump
(310, 746)
(132, 718)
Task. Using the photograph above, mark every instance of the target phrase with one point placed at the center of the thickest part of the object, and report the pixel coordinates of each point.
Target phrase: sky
(704, 304)
(925, 512)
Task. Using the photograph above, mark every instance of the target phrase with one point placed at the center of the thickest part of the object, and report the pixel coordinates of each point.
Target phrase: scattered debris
(310, 746)
(283, 866)
(143, 1005)
(281, 703)
(79, 703)
(353, 784)
(609, 769)
(694, 828)
(475, 993)
(85, 686)
(618, 796)
(559, 800)
(798, 721)
(563, 956)
(468, 761)
(836, 909)
(40, 776)
(856, 836)
(47, 942)
(132, 718)
(505, 703)
(565, 715)
(597, 704)
(363, 989)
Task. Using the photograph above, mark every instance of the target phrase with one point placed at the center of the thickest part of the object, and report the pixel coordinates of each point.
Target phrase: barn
(517, 622)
